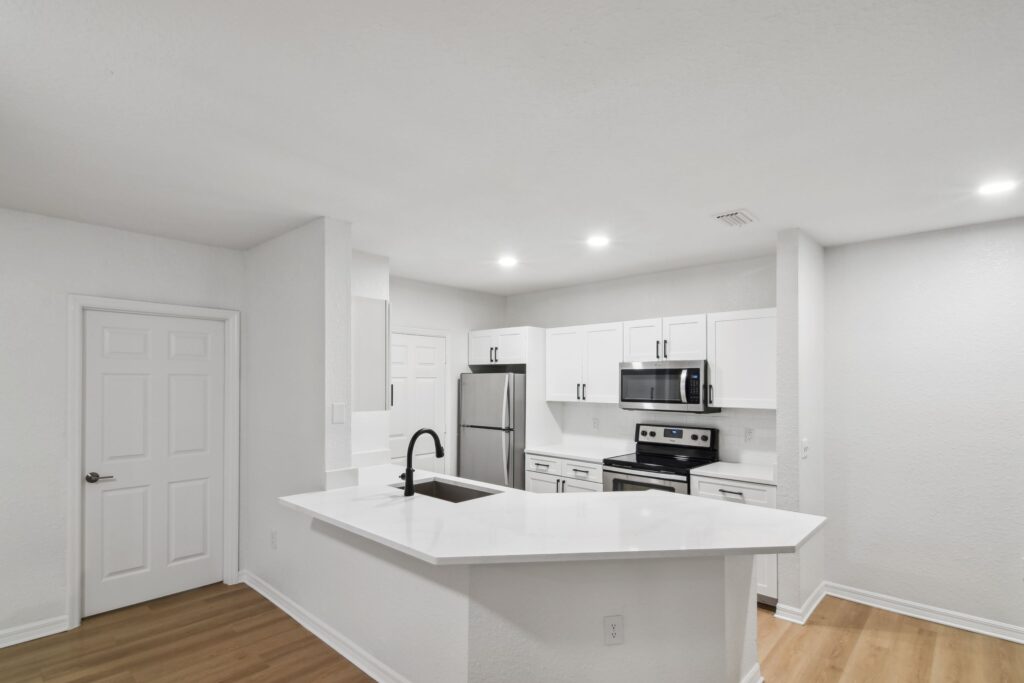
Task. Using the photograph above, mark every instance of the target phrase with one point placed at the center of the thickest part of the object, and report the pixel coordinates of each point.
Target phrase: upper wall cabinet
(741, 356)
(371, 366)
(583, 363)
(682, 337)
(504, 346)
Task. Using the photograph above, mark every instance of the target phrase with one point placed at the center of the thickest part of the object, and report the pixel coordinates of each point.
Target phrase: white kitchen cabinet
(583, 363)
(681, 337)
(504, 346)
(543, 483)
(641, 340)
(741, 358)
(570, 485)
(766, 567)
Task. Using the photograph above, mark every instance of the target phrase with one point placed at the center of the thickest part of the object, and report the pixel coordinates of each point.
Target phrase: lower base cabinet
(766, 567)
(547, 474)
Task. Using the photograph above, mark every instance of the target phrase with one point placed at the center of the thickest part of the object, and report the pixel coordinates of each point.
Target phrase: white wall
(925, 418)
(800, 399)
(735, 285)
(423, 306)
(42, 260)
(730, 286)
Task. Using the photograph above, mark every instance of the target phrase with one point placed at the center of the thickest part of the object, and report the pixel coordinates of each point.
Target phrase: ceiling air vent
(736, 218)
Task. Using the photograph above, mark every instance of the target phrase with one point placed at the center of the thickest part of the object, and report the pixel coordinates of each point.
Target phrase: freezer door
(485, 455)
(485, 400)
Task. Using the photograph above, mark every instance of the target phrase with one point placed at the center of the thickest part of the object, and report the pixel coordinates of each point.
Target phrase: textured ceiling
(452, 132)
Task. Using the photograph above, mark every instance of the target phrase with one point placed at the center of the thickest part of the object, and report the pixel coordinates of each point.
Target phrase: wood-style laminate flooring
(230, 633)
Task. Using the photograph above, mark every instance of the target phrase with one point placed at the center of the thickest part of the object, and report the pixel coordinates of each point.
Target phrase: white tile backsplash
(733, 424)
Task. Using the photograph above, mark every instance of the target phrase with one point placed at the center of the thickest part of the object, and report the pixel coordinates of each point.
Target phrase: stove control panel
(670, 435)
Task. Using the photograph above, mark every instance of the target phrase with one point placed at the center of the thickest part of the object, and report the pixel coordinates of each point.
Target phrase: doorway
(418, 380)
(153, 451)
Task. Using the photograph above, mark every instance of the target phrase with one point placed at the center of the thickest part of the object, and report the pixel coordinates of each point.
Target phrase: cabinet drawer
(543, 464)
(583, 470)
(735, 491)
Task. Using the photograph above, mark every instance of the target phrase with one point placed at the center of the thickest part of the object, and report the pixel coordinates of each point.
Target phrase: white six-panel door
(154, 424)
(419, 374)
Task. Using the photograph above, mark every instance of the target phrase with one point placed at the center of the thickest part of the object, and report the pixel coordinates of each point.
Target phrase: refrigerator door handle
(506, 404)
(506, 446)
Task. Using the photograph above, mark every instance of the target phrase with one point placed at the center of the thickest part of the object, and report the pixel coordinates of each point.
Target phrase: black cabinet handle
(495, 354)
(664, 348)
(392, 395)
(657, 349)
(735, 493)
(490, 355)
(577, 392)
(584, 392)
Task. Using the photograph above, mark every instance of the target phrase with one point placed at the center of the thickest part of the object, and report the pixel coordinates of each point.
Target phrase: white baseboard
(800, 615)
(37, 629)
(373, 667)
(753, 676)
(967, 622)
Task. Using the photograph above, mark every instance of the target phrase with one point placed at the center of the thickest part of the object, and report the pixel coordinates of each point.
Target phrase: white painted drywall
(925, 418)
(42, 260)
(292, 283)
(453, 312)
(729, 286)
(800, 405)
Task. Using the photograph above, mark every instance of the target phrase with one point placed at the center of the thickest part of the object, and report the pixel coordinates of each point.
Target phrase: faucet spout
(438, 452)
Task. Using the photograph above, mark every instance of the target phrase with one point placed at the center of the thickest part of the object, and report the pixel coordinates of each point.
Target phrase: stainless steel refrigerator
(492, 427)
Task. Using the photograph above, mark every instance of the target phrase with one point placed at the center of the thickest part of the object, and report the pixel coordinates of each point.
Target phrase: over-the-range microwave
(676, 385)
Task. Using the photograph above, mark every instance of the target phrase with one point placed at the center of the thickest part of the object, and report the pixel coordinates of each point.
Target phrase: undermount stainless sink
(446, 490)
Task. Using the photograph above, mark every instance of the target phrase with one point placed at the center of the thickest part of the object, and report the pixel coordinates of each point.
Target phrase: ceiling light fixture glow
(598, 241)
(508, 261)
(998, 187)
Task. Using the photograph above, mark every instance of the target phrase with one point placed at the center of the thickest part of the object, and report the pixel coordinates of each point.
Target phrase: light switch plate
(338, 413)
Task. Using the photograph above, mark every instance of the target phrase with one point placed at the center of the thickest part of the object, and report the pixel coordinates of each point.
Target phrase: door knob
(93, 477)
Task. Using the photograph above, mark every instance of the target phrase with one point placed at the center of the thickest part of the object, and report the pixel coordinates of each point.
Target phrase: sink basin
(446, 490)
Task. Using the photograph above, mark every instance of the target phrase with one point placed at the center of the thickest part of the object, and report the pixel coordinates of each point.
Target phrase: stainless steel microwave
(675, 385)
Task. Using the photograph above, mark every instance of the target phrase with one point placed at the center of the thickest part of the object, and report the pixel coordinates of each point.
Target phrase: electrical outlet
(597, 424)
(273, 539)
(614, 630)
(748, 434)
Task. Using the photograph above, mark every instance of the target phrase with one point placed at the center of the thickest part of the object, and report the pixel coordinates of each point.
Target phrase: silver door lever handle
(93, 477)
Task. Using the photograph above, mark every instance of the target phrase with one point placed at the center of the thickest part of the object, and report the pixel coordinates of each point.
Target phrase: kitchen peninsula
(539, 579)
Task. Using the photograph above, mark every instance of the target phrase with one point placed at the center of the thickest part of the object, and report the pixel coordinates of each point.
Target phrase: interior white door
(419, 373)
(642, 340)
(685, 337)
(601, 362)
(564, 369)
(154, 432)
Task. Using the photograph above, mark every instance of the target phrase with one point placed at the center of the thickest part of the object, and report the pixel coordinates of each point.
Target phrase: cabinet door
(580, 486)
(541, 483)
(741, 356)
(481, 347)
(642, 340)
(685, 337)
(564, 369)
(510, 346)
(602, 356)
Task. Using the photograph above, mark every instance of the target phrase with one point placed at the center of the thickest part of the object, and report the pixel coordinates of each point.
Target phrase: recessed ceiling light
(508, 261)
(998, 187)
(598, 241)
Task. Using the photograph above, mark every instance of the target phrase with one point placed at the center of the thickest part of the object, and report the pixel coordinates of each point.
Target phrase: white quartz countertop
(594, 450)
(520, 526)
(738, 471)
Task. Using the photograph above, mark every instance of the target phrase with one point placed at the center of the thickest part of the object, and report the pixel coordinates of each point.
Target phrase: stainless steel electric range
(664, 456)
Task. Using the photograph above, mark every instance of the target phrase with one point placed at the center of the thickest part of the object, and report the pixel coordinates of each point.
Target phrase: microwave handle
(711, 395)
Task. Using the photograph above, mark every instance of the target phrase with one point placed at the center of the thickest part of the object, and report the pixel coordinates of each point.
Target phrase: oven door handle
(640, 474)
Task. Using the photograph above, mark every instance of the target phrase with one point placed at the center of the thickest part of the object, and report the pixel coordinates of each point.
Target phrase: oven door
(616, 479)
(663, 385)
